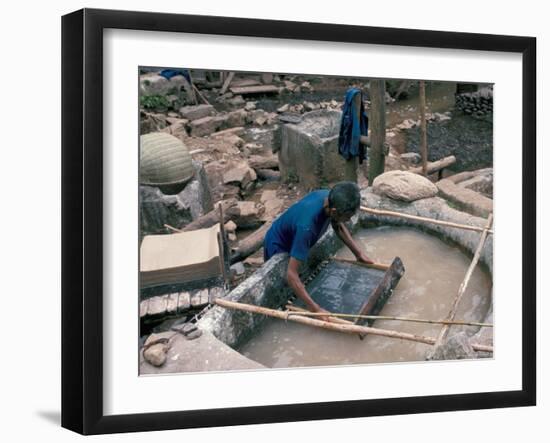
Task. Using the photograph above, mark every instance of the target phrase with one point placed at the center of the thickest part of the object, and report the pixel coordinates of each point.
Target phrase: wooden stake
(425, 219)
(423, 132)
(354, 329)
(227, 83)
(200, 95)
(377, 124)
(462, 289)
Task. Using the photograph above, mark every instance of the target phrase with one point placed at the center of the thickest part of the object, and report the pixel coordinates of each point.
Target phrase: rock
(194, 335)
(151, 122)
(307, 86)
(152, 84)
(241, 174)
(250, 106)
(272, 204)
(290, 86)
(196, 112)
(236, 101)
(254, 261)
(235, 118)
(230, 226)
(283, 108)
(204, 126)
(248, 214)
(156, 354)
(263, 162)
(253, 148)
(178, 129)
(238, 268)
(308, 106)
(232, 237)
(457, 347)
(412, 158)
(404, 185)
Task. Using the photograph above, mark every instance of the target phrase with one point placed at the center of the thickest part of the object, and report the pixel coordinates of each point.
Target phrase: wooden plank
(383, 290)
(261, 89)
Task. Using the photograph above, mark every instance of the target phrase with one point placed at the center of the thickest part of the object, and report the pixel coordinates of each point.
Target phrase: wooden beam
(438, 165)
(261, 89)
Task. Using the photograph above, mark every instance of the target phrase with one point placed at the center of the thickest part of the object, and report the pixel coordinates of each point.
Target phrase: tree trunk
(250, 244)
(377, 124)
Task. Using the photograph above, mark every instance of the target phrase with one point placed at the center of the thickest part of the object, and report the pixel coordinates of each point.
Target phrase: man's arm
(344, 235)
(293, 279)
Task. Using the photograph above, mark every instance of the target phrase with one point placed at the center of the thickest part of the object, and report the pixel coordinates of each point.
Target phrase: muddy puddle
(434, 272)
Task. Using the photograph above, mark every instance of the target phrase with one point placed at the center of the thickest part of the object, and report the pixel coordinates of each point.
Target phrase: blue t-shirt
(298, 228)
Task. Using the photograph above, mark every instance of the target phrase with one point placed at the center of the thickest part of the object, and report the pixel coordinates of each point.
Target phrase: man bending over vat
(300, 226)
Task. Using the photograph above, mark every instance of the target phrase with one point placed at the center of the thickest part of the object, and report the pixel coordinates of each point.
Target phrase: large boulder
(404, 185)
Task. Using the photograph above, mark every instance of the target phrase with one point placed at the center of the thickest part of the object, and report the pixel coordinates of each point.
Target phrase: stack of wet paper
(179, 258)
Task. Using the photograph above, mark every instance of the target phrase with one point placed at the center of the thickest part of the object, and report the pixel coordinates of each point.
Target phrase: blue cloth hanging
(169, 73)
(352, 128)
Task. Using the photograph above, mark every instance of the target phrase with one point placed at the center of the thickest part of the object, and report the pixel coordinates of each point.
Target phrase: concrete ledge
(471, 201)
(203, 354)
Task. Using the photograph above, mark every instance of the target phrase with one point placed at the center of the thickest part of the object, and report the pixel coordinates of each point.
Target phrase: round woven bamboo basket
(165, 162)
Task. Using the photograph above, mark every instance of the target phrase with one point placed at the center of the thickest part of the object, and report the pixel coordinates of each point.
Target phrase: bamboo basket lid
(164, 160)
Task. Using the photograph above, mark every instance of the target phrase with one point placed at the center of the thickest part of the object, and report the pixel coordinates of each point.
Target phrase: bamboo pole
(354, 329)
(462, 289)
(425, 219)
(331, 318)
(379, 266)
(300, 311)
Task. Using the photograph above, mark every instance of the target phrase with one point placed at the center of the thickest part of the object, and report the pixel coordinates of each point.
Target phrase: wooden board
(378, 297)
(261, 89)
(347, 288)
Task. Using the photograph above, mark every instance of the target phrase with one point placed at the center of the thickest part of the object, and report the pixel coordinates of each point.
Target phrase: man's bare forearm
(293, 280)
(344, 234)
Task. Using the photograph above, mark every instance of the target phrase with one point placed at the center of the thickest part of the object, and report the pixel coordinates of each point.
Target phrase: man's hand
(322, 317)
(362, 258)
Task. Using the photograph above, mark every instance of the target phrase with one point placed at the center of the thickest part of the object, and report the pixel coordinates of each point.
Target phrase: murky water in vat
(433, 273)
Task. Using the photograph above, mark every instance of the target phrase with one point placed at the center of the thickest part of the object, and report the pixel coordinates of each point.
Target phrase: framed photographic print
(270, 221)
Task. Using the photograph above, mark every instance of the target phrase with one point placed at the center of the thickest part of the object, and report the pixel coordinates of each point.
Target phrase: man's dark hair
(344, 197)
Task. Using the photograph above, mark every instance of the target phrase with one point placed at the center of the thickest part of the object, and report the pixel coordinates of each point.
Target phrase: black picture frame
(82, 218)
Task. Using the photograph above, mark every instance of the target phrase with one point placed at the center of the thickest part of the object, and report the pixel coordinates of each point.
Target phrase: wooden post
(377, 124)
(423, 129)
